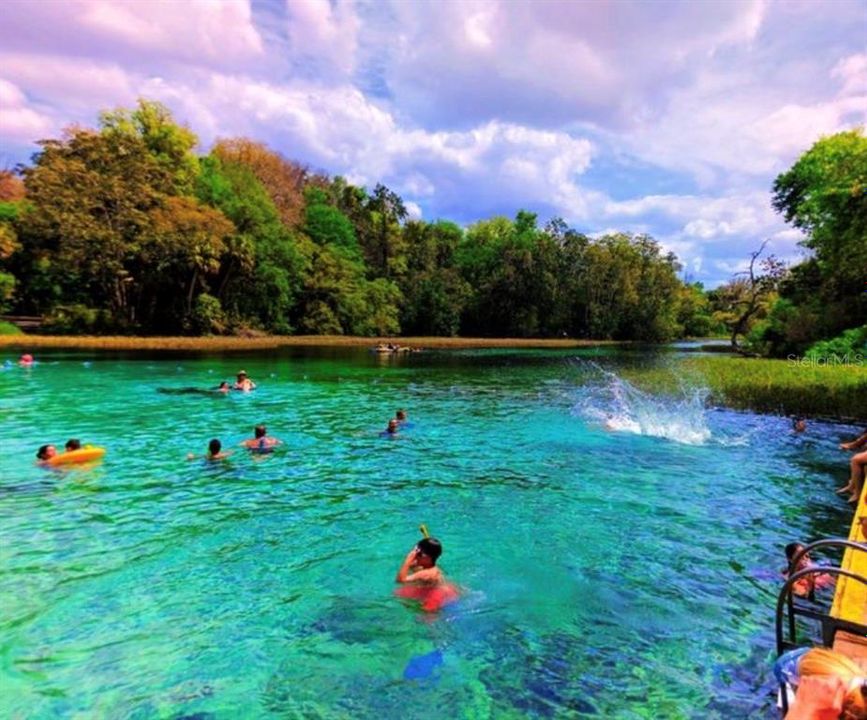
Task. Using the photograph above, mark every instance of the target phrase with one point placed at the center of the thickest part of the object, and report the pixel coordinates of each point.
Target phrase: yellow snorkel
(423, 530)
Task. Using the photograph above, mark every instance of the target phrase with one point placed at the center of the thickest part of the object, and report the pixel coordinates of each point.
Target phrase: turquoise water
(625, 571)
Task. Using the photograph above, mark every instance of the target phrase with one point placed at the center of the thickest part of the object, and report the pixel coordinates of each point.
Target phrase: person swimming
(215, 451)
(26, 360)
(809, 583)
(72, 444)
(421, 579)
(223, 387)
(244, 383)
(45, 453)
(391, 430)
(261, 442)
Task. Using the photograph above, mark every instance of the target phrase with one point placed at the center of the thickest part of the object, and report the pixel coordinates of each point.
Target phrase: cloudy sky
(671, 118)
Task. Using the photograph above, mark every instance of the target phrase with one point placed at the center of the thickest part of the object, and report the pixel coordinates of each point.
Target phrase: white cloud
(325, 32)
(19, 122)
(202, 32)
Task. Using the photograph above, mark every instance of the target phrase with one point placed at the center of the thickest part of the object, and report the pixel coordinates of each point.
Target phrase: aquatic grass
(792, 387)
(7, 328)
(269, 342)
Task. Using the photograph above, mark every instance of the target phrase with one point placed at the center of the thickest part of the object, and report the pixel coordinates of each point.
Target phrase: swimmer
(799, 424)
(422, 580)
(857, 467)
(808, 584)
(261, 442)
(391, 430)
(244, 383)
(215, 451)
(223, 387)
(45, 453)
(72, 444)
(420, 564)
(400, 416)
(26, 360)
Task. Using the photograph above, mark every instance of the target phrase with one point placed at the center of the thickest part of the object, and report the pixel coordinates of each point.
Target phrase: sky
(659, 117)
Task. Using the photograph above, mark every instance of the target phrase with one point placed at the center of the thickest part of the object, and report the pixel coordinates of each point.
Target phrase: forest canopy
(125, 229)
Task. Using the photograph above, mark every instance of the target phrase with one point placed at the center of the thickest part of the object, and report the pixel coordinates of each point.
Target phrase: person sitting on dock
(809, 583)
(261, 442)
(857, 465)
(244, 383)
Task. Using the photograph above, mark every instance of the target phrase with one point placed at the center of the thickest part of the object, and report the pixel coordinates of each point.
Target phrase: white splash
(619, 406)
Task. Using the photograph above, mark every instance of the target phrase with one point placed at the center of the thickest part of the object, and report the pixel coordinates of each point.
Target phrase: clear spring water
(618, 552)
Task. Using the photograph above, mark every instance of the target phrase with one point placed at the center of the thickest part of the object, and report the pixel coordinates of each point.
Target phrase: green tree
(90, 199)
(434, 291)
(824, 194)
(262, 270)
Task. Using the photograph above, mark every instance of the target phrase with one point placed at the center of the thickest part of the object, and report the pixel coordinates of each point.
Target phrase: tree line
(125, 229)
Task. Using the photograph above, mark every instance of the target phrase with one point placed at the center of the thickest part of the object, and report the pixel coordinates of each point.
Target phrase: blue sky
(671, 118)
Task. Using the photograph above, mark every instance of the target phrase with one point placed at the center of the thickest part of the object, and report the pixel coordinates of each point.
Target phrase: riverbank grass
(268, 342)
(787, 387)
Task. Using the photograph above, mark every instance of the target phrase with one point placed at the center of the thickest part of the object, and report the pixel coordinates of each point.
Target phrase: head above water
(46, 452)
(73, 444)
(260, 431)
(214, 447)
(799, 423)
(392, 425)
(401, 415)
(792, 549)
(242, 374)
(429, 549)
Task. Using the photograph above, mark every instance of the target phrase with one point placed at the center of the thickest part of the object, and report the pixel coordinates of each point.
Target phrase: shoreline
(272, 342)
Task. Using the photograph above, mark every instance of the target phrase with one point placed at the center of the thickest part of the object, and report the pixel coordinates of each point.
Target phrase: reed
(788, 387)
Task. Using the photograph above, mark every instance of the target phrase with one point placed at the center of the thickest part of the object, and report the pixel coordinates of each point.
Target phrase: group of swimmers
(260, 444)
(242, 383)
(47, 452)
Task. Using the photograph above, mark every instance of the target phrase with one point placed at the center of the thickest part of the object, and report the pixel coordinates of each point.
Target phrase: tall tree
(283, 179)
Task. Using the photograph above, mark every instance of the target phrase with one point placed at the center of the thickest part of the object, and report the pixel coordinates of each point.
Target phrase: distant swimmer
(223, 387)
(391, 430)
(215, 451)
(244, 383)
(799, 424)
(45, 453)
(857, 466)
(26, 360)
(261, 442)
(422, 580)
(72, 444)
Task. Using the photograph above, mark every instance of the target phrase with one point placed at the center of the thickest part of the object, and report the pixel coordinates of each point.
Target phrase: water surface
(618, 552)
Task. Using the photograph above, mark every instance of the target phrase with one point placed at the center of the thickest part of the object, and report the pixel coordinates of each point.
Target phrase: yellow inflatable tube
(83, 455)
